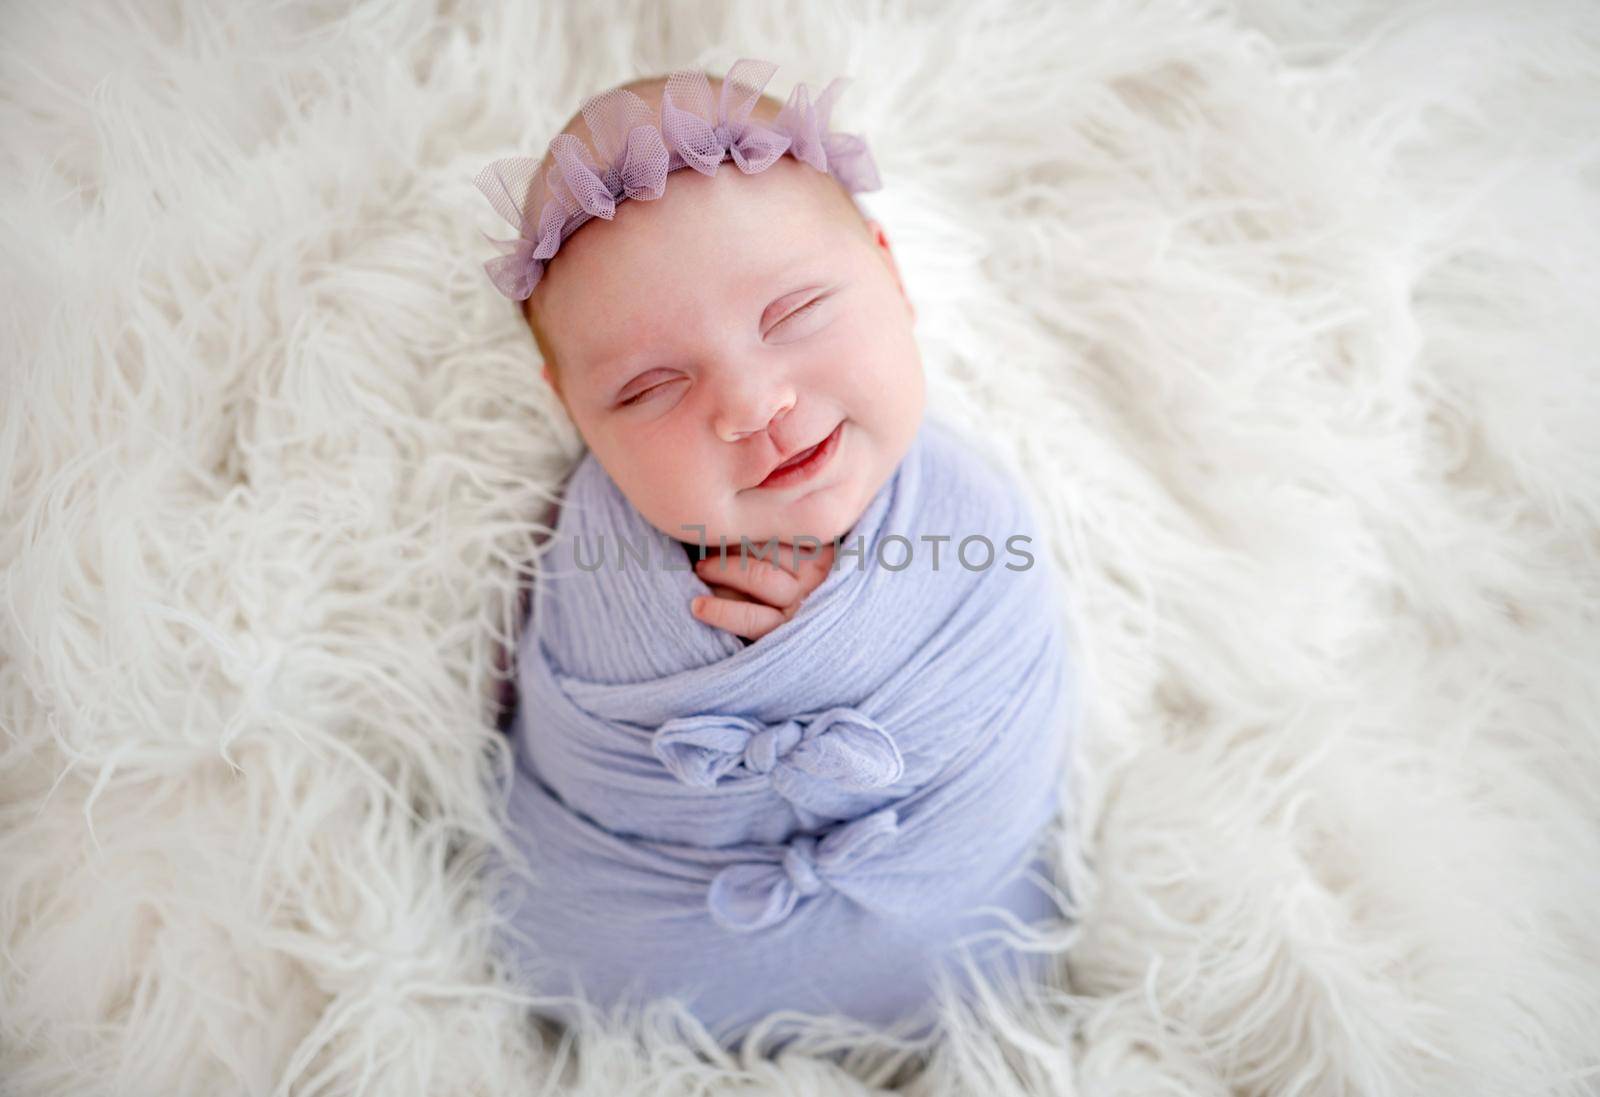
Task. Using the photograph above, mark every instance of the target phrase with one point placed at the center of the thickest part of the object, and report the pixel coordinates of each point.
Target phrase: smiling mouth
(802, 466)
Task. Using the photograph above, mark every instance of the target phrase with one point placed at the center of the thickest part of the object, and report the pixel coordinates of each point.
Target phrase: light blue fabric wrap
(810, 822)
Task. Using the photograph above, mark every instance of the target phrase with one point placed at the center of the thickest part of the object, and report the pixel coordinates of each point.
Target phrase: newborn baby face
(701, 339)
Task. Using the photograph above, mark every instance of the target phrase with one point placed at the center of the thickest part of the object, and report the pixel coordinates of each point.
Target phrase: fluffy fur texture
(1286, 317)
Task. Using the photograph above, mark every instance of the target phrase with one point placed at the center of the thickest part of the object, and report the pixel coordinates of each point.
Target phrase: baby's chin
(825, 515)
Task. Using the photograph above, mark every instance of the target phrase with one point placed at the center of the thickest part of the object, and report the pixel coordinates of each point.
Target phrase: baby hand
(752, 596)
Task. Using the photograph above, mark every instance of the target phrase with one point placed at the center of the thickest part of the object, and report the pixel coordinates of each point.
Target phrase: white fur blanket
(1286, 316)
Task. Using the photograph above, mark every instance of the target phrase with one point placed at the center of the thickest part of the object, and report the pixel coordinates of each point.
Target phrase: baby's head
(698, 339)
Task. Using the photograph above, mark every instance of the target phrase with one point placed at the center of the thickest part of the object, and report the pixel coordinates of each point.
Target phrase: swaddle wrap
(810, 822)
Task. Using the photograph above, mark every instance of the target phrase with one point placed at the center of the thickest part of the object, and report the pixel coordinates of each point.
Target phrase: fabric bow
(843, 155)
(686, 107)
(840, 747)
(750, 896)
(509, 185)
(633, 164)
(633, 157)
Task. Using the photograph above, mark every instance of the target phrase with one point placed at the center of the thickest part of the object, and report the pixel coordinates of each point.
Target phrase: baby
(812, 821)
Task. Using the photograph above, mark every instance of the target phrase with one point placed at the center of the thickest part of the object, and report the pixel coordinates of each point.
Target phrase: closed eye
(636, 397)
(797, 313)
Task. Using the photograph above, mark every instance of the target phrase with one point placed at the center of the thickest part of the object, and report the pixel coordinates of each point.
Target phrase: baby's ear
(880, 240)
(552, 379)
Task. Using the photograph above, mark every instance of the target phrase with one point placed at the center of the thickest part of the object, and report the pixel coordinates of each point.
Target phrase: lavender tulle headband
(548, 204)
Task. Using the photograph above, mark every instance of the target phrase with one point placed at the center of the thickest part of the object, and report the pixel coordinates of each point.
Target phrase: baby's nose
(736, 422)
